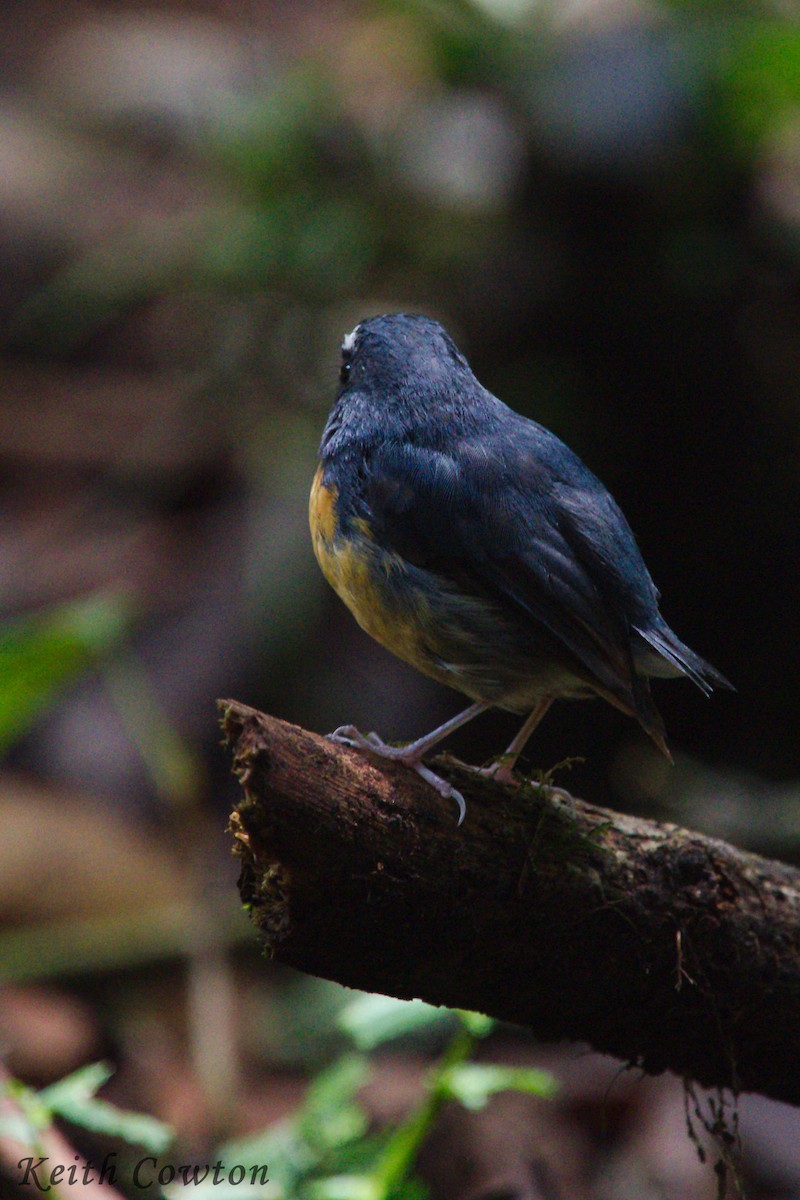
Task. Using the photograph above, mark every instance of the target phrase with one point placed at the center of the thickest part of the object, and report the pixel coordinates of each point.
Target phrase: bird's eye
(344, 373)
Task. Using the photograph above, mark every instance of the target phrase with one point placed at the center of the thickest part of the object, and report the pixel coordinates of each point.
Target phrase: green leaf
(757, 62)
(330, 1117)
(289, 1157)
(173, 764)
(34, 1114)
(476, 1024)
(41, 654)
(101, 1117)
(345, 1187)
(264, 1146)
(473, 1084)
(79, 1086)
(372, 1020)
(73, 1098)
(328, 1122)
(19, 1129)
(208, 1190)
(363, 1187)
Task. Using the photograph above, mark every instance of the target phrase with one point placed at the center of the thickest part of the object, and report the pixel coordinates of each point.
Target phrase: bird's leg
(502, 769)
(411, 754)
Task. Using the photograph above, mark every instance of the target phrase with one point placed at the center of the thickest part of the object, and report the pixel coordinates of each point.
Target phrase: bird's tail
(672, 657)
(637, 702)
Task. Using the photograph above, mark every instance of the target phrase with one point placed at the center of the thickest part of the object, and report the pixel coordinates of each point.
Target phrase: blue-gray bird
(476, 546)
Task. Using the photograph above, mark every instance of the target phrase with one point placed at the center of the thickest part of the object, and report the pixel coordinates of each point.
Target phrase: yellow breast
(369, 579)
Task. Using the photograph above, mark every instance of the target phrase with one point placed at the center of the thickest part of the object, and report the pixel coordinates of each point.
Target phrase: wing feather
(495, 519)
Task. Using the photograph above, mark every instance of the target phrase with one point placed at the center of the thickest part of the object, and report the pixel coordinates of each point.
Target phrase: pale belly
(461, 641)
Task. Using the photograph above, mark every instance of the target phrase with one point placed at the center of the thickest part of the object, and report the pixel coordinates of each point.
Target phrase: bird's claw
(343, 733)
(348, 735)
(499, 771)
(445, 789)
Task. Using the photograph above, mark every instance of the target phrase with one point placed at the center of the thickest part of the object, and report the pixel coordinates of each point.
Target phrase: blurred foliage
(603, 206)
(174, 764)
(400, 151)
(42, 653)
(324, 1151)
(601, 200)
(74, 1099)
(372, 1020)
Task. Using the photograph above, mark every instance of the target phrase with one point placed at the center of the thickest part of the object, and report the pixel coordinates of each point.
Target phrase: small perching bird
(476, 546)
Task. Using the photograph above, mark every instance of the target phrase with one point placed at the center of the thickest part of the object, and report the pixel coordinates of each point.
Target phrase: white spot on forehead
(349, 339)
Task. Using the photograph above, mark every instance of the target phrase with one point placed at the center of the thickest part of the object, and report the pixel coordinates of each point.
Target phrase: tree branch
(661, 946)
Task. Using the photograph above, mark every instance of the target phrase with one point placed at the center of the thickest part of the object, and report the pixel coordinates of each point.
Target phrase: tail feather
(636, 701)
(675, 654)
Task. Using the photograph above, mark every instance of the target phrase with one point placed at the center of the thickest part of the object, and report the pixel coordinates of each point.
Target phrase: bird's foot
(501, 770)
(348, 735)
(408, 755)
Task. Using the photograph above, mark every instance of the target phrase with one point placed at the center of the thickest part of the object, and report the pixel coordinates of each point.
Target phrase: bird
(472, 543)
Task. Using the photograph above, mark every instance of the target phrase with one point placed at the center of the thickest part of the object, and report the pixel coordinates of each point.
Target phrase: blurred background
(601, 200)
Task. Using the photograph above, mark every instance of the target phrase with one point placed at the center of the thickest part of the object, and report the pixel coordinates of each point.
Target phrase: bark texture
(649, 942)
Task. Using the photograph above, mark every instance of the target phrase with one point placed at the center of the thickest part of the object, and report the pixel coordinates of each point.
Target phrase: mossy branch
(649, 942)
